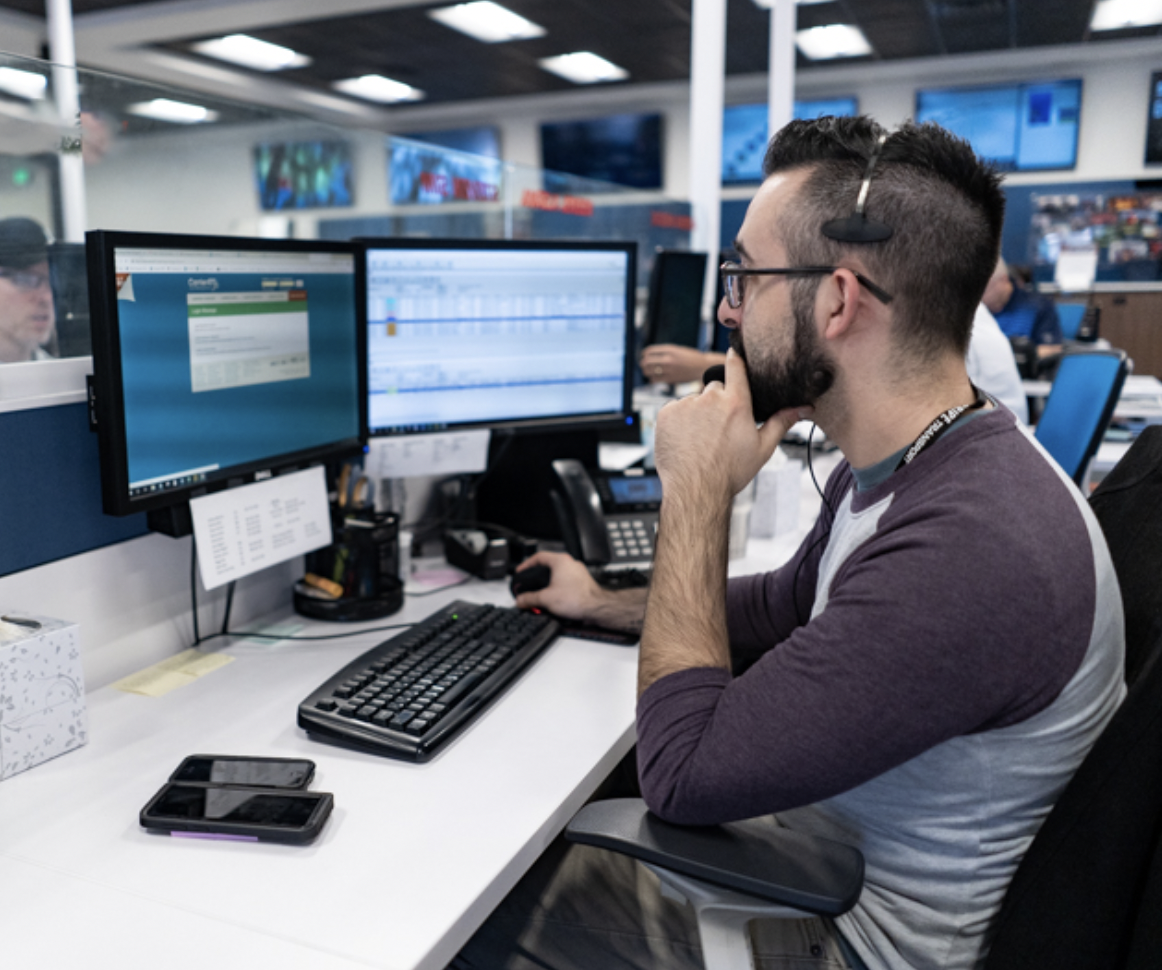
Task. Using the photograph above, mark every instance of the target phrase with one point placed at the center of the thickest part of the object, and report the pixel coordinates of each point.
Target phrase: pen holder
(357, 576)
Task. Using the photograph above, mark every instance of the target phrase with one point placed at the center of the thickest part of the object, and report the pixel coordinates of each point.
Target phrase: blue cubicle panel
(50, 489)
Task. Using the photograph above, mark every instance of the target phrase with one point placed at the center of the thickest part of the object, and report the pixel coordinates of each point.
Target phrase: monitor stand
(514, 493)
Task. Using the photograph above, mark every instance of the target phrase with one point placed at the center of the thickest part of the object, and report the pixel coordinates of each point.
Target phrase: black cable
(194, 586)
(825, 535)
(282, 636)
(229, 605)
(440, 589)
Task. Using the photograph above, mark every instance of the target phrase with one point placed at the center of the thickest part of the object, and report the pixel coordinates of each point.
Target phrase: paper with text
(446, 453)
(242, 530)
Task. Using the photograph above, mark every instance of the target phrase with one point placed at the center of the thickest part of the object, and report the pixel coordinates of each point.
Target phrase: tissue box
(42, 692)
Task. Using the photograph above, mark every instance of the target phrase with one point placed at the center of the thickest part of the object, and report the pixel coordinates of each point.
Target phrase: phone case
(314, 807)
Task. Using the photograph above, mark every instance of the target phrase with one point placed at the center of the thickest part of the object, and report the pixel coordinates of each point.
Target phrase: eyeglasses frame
(730, 269)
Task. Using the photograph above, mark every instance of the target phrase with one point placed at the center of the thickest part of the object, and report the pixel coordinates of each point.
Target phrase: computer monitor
(219, 361)
(674, 309)
(496, 334)
(532, 339)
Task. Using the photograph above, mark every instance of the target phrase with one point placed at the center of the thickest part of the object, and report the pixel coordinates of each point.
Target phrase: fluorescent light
(376, 87)
(1119, 14)
(769, 4)
(180, 113)
(583, 67)
(24, 84)
(834, 40)
(487, 21)
(251, 52)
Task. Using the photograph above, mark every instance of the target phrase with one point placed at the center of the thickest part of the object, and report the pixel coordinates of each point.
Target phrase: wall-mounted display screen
(744, 134)
(1154, 122)
(430, 174)
(303, 174)
(1019, 127)
(623, 149)
(484, 140)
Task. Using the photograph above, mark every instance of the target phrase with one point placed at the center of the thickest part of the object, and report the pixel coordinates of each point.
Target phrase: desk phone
(607, 518)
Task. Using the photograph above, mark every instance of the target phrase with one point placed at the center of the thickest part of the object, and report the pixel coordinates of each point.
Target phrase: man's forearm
(622, 609)
(685, 621)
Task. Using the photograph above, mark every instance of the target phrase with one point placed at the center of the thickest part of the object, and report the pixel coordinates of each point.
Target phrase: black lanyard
(942, 423)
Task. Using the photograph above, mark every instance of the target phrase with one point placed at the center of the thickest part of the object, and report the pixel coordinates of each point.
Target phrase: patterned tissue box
(42, 692)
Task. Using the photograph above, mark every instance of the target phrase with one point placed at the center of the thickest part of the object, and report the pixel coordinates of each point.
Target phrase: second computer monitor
(497, 333)
(674, 311)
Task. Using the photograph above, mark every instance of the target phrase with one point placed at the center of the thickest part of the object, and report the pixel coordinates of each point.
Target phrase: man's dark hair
(944, 205)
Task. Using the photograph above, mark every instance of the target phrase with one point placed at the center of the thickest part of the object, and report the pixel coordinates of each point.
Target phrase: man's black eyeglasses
(734, 277)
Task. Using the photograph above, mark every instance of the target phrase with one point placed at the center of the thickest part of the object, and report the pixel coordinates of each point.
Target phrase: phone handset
(580, 514)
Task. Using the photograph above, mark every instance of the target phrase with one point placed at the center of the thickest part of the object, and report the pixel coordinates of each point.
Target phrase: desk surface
(411, 862)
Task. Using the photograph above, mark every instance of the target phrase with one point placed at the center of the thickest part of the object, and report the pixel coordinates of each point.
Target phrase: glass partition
(87, 150)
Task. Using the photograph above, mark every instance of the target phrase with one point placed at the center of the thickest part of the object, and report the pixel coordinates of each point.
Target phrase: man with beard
(26, 306)
(927, 672)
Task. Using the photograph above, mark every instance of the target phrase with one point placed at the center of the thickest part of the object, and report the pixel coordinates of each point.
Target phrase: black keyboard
(409, 696)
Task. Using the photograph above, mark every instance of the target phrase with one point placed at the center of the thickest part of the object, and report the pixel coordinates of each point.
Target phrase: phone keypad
(631, 538)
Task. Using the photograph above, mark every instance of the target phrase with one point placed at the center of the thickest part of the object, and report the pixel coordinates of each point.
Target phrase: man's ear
(840, 298)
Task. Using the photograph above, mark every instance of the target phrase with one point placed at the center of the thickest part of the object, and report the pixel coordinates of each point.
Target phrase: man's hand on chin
(707, 445)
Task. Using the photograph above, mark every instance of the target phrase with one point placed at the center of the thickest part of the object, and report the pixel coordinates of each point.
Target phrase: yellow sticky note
(177, 671)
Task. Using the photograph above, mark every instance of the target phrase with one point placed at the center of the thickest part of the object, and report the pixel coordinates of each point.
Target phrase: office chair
(1070, 315)
(1079, 408)
(1084, 897)
(1128, 505)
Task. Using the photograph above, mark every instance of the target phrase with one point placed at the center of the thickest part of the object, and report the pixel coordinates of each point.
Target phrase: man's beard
(778, 384)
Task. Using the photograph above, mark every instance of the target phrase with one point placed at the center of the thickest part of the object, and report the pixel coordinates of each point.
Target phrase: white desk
(412, 860)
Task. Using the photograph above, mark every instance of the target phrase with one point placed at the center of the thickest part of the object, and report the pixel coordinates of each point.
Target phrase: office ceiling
(649, 38)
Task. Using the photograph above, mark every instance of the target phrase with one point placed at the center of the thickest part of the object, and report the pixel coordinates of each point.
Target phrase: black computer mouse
(531, 579)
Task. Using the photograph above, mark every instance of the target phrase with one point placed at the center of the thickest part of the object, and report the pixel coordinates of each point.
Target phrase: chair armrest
(755, 857)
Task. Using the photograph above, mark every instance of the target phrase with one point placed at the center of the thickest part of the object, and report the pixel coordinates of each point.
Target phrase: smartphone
(241, 814)
(225, 769)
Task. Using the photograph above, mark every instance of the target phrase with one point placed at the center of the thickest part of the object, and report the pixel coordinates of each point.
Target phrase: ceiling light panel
(251, 52)
(832, 41)
(178, 112)
(487, 21)
(1121, 14)
(23, 84)
(583, 67)
(376, 87)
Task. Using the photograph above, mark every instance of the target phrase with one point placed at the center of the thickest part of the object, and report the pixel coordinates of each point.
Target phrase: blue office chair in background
(1070, 315)
(1081, 403)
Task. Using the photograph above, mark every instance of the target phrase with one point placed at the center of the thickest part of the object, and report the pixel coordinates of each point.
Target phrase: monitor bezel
(107, 397)
(579, 422)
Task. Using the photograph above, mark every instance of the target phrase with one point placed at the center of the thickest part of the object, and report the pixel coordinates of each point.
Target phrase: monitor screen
(674, 311)
(744, 134)
(1018, 127)
(623, 149)
(495, 333)
(1154, 121)
(219, 361)
(303, 175)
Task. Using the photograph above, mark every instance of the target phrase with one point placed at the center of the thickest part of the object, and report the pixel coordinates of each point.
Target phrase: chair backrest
(1079, 407)
(1128, 504)
(1070, 315)
(1077, 899)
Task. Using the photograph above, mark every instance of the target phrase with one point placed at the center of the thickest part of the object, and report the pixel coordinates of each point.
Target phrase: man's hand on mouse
(572, 592)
